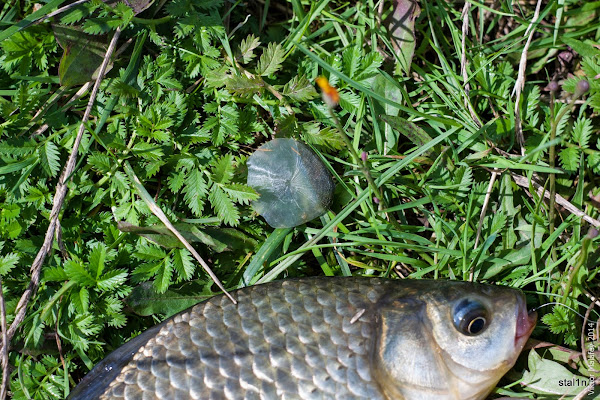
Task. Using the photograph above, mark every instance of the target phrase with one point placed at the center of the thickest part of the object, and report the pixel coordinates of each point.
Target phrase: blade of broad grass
(156, 210)
(363, 195)
(269, 246)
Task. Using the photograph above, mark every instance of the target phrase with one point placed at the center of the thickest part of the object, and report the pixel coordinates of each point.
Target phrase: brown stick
(59, 199)
(520, 84)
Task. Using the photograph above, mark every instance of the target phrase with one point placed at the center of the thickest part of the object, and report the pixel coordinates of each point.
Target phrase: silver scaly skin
(323, 338)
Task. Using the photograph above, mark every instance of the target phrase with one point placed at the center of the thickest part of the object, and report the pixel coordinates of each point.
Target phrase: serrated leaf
(148, 252)
(96, 260)
(176, 180)
(463, 178)
(244, 86)
(163, 276)
(582, 130)
(299, 89)
(270, 60)
(77, 272)
(183, 263)
(328, 137)
(349, 101)
(569, 158)
(369, 66)
(50, 158)
(351, 60)
(498, 222)
(195, 191)
(100, 162)
(226, 210)
(240, 193)
(112, 279)
(55, 274)
(246, 50)
(8, 262)
(222, 171)
(558, 321)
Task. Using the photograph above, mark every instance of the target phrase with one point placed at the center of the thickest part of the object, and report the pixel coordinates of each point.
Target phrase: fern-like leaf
(195, 191)
(222, 171)
(240, 193)
(299, 89)
(245, 53)
(226, 210)
(270, 60)
(569, 158)
(183, 263)
(50, 158)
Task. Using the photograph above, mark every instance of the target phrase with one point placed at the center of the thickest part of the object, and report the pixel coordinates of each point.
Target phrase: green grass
(196, 86)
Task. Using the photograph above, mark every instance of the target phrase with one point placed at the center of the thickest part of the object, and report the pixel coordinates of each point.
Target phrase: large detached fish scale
(285, 340)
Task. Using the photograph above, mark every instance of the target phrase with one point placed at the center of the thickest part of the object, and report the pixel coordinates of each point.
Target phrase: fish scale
(283, 341)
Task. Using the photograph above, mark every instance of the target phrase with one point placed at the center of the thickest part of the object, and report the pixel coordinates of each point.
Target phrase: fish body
(325, 338)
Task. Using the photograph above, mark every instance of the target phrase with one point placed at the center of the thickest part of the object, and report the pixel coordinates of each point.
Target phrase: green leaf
(50, 158)
(183, 263)
(351, 58)
(244, 86)
(401, 27)
(569, 158)
(245, 53)
(226, 210)
(328, 137)
(77, 272)
(145, 300)
(222, 171)
(582, 130)
(163, 276)
(82, 57)
(97, 258)
(561, 321)
(299, 89)
(195, 190)
(270, 60)
(240, 193)
(148, 252)
(112, 279)
(8, 262)
(549, 377)
(583, 48)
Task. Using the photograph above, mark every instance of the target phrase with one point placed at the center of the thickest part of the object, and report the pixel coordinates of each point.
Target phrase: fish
(325, 338)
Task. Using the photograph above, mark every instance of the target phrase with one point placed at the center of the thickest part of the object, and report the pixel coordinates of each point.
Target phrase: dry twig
(520, 83)
(524, 182)
(463, 62)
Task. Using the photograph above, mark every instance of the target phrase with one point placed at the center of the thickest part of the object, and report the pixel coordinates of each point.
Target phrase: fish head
(448, 340)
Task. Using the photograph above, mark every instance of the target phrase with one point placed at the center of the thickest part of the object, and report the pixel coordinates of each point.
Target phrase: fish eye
(470, 317)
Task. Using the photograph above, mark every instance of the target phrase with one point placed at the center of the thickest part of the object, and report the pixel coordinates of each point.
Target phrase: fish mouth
(525, 322)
